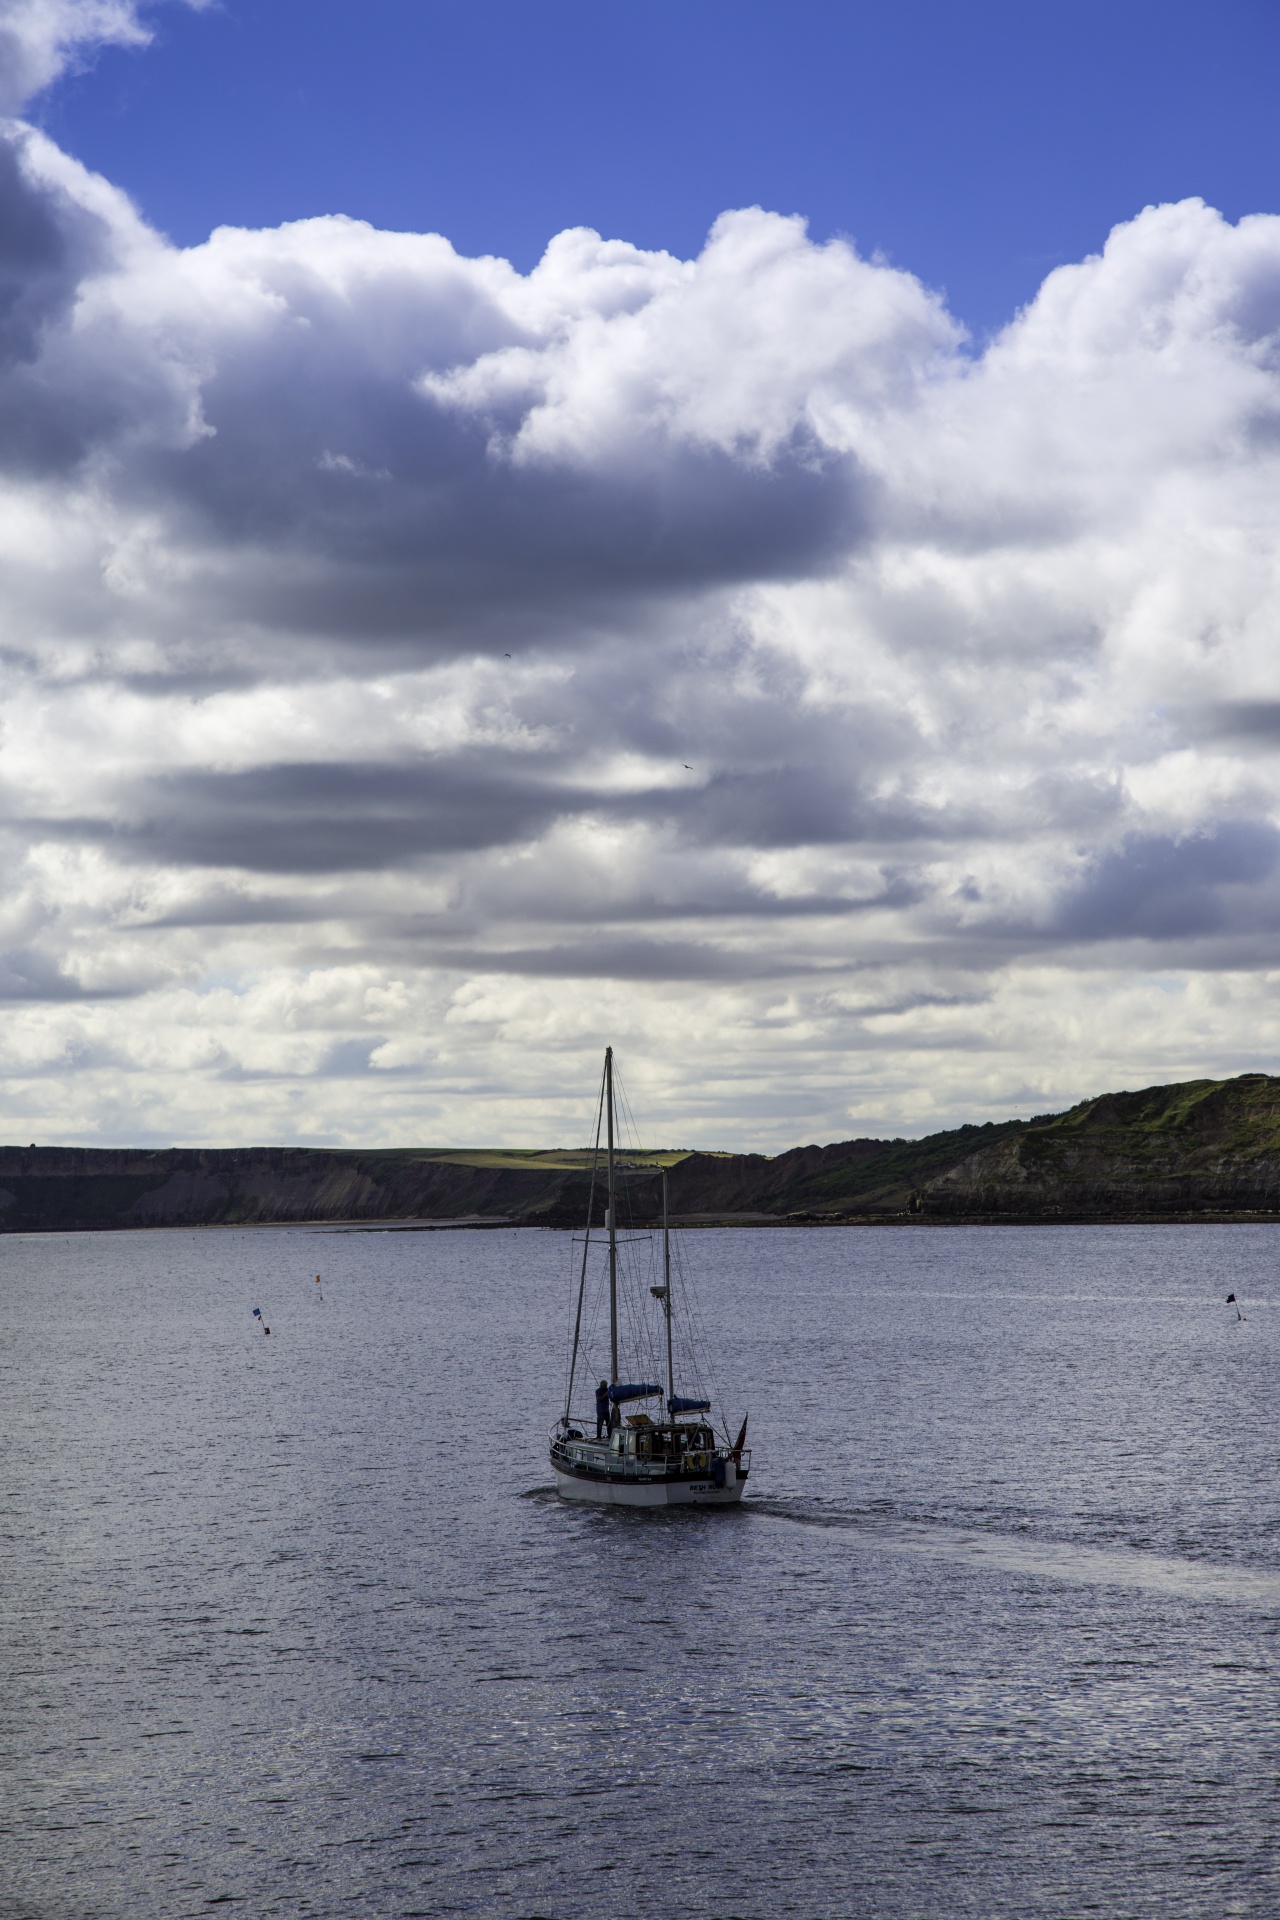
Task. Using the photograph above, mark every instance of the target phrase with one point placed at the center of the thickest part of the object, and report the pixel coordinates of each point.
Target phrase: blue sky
(481, 578)
(976, 145)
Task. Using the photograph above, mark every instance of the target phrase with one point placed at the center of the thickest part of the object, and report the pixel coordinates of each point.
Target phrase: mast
(586, 1248)
(613, 1225)
(666, 1293)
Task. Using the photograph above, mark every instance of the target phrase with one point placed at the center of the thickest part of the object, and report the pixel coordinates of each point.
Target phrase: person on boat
(602, 1409)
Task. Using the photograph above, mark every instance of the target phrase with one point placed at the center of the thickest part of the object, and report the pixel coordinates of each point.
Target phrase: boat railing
(696, 1459)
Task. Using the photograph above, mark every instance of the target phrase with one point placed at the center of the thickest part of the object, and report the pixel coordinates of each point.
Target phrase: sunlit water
(295, 1624)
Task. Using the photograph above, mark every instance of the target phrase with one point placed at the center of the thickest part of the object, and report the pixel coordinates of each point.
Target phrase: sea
(295, 1624)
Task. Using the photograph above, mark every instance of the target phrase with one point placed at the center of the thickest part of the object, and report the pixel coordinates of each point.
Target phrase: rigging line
(642, 1338)
(706, 1384)
(597, 1305)
(625, 1113)
(701, 1347)
(586, 1245)
(643, 1344)
(633, 1130)
(593, 1336)
(648, 1341)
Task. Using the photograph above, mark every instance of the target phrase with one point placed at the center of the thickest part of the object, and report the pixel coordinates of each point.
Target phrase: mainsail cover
(678, 1405)
(637, 1390)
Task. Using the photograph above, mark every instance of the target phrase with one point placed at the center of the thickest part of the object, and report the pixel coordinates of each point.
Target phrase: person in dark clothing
(602, 1409)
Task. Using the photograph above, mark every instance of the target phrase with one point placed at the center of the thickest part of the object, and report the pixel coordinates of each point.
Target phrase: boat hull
(603, 1490)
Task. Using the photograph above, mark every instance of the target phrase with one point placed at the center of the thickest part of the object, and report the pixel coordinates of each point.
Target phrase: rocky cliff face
(862, 1177)
(1201, 1147)
(1205, 1147)
(46, 1188)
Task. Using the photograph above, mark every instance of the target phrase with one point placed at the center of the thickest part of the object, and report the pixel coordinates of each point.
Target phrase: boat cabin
(643, 1439)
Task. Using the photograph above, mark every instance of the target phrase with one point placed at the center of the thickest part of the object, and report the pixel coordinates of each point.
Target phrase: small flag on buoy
(1233, 1302)
(257, 1314)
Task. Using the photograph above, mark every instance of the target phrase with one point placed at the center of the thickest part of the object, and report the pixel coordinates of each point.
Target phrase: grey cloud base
(412, 663)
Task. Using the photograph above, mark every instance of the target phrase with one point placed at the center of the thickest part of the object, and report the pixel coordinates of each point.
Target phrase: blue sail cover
(638, 1391)
(688, 1406)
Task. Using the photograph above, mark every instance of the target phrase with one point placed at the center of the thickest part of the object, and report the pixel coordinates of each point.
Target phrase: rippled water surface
(296, 1625)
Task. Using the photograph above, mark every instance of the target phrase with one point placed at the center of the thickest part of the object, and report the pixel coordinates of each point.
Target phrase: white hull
(646, 1493)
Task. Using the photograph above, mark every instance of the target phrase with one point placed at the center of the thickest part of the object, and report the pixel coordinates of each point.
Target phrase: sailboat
(677, 1458)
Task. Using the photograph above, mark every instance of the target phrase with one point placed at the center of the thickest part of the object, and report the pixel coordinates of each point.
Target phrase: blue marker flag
(257, 1313)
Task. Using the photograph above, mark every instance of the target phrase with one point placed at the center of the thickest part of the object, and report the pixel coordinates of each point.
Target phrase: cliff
(1205, 1148)
(50, 1188)
(1200, 1149)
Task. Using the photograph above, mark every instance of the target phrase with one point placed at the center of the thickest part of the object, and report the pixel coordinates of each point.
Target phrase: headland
(1199, 1150)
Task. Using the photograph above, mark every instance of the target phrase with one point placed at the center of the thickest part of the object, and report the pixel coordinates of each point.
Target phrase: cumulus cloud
(41, 39)
(416, 673)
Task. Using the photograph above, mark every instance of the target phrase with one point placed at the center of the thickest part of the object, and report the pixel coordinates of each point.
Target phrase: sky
(747, 533)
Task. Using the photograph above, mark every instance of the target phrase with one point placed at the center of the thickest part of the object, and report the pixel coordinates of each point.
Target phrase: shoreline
(727, 1223)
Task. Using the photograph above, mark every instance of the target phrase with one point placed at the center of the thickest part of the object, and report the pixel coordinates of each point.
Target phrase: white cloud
(765, 346)
(415, 673)
(40, 39)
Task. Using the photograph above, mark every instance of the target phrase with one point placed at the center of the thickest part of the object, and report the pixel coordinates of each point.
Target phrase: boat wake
(998, 1552)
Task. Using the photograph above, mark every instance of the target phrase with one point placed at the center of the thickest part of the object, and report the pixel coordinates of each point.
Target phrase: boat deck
(650, 1455)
